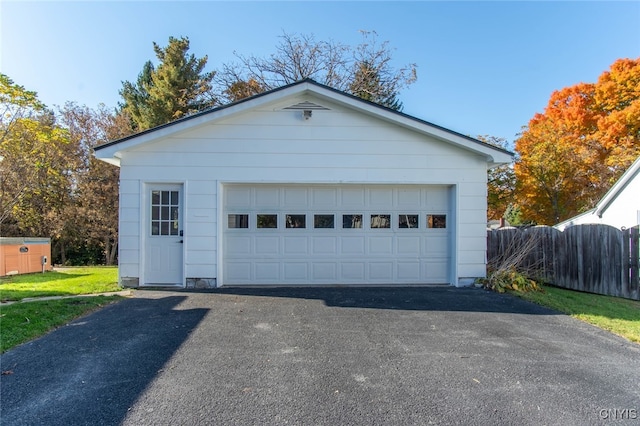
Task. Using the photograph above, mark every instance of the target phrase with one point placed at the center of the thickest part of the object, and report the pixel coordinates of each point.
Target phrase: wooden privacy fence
(592, 258)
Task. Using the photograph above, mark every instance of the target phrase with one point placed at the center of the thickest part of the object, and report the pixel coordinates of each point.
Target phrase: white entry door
(164, 237)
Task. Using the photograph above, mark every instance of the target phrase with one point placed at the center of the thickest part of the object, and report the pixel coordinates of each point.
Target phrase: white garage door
(343, 234)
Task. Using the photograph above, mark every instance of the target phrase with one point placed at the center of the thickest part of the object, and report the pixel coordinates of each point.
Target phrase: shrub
(502, 280)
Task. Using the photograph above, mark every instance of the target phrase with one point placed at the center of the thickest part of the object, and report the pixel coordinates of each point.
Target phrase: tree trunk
(107, 251)
(63, 255)
(111, 249)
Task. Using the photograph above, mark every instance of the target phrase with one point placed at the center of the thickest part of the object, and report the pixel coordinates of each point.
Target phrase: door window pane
(267, 220)
(407, 221)
(323, 221)
(436, 220)
(164, 228)
(238, 221)
(296, 221)
(174, 220)
(165, 213)
(351, 221)
(379, 221)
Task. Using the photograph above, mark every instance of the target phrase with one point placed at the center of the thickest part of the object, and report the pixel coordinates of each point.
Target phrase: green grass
(21, 322)
(66, 282)
(614, 314)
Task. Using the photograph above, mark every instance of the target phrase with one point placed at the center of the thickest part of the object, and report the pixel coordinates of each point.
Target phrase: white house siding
(129, 231)
(472, 220)
(272, 145)
(622, 212)
(625, 209)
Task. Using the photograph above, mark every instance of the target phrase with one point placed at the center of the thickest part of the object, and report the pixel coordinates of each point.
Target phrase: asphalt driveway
(435, 355)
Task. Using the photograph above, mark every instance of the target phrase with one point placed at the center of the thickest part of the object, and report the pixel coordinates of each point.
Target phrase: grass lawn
(65, 282)
(614, 314)
(21, 322)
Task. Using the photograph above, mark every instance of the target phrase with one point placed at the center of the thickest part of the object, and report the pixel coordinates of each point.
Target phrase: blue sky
(484, 68)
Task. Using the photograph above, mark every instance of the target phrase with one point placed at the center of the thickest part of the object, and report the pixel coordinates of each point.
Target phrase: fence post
(634, 261)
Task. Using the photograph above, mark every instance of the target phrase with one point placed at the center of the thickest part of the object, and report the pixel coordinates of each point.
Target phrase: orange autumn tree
(500, 182)
(617, 98)
(571, 154)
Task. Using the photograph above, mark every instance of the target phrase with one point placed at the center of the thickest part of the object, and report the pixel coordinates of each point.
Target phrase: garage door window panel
(380, 221)
(294, 221)
(436, 221)
(323, 221)
(406, 221)
(238, 221)
(267, 221)
(351, 221)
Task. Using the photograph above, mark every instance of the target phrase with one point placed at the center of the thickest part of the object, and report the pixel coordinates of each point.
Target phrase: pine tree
(177, 87)
(367, 84)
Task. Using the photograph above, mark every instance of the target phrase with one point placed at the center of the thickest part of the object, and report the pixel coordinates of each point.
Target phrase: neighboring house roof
(617, 188)
(577, 219)
(614, 192)
(110, 151)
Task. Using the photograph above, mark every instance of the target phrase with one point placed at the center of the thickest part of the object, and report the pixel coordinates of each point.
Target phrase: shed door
(164, 245)
(336, 234)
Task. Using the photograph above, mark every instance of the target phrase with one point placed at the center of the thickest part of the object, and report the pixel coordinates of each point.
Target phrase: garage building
(301, 185)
